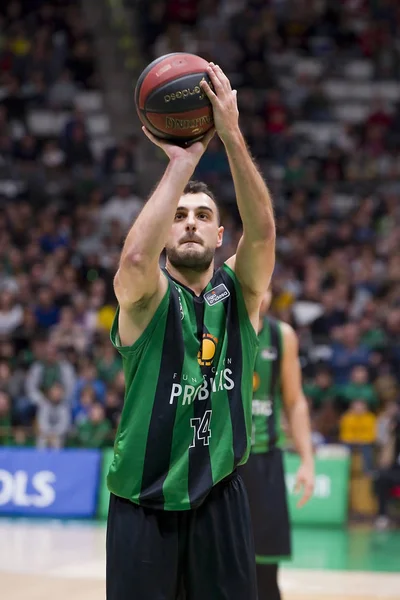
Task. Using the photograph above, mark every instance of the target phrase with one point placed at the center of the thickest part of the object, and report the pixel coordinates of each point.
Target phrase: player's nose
(190, 223)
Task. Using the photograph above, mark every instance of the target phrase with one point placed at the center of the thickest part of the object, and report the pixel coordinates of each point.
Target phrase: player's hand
(224, 102)
(304, 483)
(191, 153)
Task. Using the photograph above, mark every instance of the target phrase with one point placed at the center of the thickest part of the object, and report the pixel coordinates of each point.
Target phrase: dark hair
(199, 187)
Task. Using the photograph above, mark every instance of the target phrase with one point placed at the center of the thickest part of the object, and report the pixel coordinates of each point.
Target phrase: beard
(190, 258)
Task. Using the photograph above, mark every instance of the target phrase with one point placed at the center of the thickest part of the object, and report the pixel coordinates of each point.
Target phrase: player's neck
(192, 279)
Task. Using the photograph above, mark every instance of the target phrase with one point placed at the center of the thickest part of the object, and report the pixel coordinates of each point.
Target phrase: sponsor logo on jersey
(218, 381)
(217, 294)
(206, 353)
(256, 381)
(269, 353)
(261, 408)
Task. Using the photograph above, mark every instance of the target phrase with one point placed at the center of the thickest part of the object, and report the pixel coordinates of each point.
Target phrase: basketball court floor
(44, 560)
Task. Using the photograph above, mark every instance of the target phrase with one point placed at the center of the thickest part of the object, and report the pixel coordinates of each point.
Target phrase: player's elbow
(133, 259)
(269, 231)
(264, 233)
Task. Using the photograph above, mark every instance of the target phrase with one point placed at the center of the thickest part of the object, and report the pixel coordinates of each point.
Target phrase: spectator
(63, 91)
(348, 353)
(87, 379)
(53, 418)
(95, 431)
(122, 207)
(316, 106)
(46, 311)
(11, 313)
(77, 149)
(108, 363)
(113, 407)
(322, 390)
(359, 388)
(333, 316)
(358, 431)
(47, 370)
(67, 333)
(81, 410)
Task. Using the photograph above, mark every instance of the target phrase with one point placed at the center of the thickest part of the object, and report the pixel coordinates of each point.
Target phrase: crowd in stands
(319, 99)
(64, 210)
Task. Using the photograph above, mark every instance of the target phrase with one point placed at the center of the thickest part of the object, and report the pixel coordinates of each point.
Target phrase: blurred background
(319, 97)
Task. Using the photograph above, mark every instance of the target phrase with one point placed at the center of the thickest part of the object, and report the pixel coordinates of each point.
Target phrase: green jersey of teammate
(267, 395)
(186, 422)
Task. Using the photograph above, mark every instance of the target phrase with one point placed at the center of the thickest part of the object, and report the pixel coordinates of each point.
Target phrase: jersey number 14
(201, 429)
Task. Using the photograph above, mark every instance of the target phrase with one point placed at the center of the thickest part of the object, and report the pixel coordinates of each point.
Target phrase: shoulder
(251, 302)
(289, 335)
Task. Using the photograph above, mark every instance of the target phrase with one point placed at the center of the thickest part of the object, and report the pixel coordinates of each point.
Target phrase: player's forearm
(148, 235)
(253, 198)
(299, 423)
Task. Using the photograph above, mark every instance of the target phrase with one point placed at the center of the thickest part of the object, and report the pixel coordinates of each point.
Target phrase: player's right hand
(305, 479)
(192, 153)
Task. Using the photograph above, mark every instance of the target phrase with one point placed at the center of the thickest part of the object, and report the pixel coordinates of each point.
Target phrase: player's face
(195, 233)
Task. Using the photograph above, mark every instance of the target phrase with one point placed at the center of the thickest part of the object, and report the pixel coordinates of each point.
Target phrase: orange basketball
(170, 101)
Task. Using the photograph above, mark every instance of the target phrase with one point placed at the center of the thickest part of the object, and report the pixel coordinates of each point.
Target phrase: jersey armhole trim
(128, 350)
(242, 303)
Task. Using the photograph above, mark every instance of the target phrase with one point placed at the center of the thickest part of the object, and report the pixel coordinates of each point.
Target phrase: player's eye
(203, 216)
(178, 216)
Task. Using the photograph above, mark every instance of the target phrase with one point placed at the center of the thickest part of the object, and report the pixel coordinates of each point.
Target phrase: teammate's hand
(193, 153)
(224, 102)
(304, 483)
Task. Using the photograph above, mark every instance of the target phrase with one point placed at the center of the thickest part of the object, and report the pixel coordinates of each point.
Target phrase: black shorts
(263, 475)
(201, 554)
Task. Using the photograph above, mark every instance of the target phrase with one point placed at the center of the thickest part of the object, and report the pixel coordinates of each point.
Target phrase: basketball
(170, 101)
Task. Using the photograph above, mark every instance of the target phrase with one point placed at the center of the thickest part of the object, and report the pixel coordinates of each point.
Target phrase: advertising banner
(329, 503)
(57, 483)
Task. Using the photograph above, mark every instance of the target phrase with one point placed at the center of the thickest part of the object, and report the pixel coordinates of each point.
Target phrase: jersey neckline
(188, 289)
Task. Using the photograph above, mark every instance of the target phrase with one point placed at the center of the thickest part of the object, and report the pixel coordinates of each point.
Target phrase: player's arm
(255, 256)
(139, 284)
(297, 412)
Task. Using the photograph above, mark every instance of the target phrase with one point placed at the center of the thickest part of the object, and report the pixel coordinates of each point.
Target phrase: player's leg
(267, 582)
(142, 552)
(220, 550)
(265, 483)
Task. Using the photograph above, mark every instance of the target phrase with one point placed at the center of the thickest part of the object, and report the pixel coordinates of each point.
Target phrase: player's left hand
(304, 483)
(224, 102)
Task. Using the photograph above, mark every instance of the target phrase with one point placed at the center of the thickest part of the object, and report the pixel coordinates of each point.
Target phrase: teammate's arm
(255, 256)
(297, 412)
(139, 283)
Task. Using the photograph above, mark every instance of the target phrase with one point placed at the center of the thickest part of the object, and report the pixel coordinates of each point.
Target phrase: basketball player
(277, 382)
(179, 522)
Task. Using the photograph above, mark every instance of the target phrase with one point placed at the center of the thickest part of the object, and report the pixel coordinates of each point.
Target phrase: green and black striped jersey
(267, 397)
(186, 421)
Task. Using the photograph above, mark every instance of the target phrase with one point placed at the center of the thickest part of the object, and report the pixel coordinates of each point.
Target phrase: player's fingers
(215, 80)
(308, 490)
(207, 89)
(151, 137)
(298, 486)
(222, 77)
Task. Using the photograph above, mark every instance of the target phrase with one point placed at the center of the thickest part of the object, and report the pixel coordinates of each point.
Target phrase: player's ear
(220, 236)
